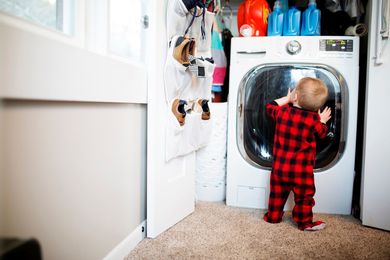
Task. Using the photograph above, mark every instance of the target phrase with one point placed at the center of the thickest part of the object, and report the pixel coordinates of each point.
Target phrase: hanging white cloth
(176, 18)
(182, 140)
(188, 82)
(354, 8)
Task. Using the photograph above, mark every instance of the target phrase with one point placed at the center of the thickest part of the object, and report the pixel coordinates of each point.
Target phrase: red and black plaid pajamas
(293, 162)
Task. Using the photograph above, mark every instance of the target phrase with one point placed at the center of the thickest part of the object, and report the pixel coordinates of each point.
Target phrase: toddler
(298, 121)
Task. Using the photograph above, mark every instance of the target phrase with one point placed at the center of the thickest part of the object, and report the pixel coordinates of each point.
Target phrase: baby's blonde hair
(311, 93)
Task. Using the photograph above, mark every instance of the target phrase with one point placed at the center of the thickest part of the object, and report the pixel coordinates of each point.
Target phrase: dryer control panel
(336, 45)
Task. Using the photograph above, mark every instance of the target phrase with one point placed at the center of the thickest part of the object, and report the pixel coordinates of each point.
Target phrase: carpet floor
(216, 231)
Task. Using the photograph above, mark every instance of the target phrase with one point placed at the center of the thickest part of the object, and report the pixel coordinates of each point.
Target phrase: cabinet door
(170, 185)
(376, 164)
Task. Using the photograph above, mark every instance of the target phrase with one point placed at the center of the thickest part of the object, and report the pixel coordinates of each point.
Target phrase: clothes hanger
(226, 14)
(227, 7)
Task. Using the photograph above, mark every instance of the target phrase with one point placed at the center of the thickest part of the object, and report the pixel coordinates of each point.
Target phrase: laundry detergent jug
(311, 20)
(284, 5)
(292, 22)
(252, 18)
(275, 20)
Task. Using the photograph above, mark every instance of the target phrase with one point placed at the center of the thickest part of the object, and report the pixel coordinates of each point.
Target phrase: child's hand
(288, 96)
(284, 100)
(325, 115)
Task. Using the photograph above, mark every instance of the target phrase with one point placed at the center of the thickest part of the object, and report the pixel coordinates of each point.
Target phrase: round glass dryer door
(265, 83)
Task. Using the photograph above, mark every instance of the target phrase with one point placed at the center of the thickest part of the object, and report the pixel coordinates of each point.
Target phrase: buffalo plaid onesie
(293, 162)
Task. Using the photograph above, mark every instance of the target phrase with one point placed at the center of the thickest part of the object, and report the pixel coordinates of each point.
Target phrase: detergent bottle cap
(246, 30)
(312, 2)
(277, 5)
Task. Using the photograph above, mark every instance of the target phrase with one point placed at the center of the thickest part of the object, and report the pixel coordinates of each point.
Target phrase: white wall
(1, 169)
(74, 175)
(35, 67)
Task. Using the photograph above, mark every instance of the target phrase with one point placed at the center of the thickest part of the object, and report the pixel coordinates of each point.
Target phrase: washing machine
(262, 69)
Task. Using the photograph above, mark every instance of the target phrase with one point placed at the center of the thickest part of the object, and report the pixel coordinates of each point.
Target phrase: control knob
(293, 47)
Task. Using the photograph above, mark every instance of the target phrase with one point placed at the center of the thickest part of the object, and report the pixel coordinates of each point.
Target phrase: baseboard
(128, 244)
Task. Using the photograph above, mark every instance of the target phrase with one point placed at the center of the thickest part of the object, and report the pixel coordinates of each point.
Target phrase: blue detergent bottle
(311, 20)
(292, 22)
(284, 5)
(275, 21)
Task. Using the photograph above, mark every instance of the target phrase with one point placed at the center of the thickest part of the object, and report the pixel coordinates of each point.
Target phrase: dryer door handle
(251, 52)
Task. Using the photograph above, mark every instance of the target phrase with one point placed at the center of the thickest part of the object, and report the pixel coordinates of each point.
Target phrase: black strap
(203, 23)
(192, 21)
(189, 4)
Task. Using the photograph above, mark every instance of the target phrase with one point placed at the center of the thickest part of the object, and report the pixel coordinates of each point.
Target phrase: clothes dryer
(262, 69)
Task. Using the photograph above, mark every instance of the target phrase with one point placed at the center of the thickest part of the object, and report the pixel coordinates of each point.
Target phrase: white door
(170, 186)
(376, 163)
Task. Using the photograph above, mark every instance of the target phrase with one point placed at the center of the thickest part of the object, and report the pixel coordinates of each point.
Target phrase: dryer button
(293, 47)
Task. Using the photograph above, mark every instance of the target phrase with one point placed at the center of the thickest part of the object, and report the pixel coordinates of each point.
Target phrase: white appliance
(262, 69)
(375, 195)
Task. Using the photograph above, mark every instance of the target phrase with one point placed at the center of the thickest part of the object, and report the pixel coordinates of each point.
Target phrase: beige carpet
(216, 231)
